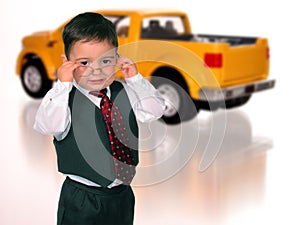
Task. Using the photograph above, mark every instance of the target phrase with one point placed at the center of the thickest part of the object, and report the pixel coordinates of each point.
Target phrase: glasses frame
(101, 69)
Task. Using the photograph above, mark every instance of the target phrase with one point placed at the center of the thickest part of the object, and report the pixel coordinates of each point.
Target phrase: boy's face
(97, 62)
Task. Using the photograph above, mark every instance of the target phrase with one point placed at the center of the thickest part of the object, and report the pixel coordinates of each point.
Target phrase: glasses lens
(104, 65)
(83, 71)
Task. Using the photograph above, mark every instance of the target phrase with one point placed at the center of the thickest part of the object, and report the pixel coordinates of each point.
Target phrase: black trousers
(85, 205)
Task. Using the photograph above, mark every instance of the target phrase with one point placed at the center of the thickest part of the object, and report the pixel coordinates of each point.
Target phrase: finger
(64, 58)
(123, 63)
(120, 62)
(71, 65)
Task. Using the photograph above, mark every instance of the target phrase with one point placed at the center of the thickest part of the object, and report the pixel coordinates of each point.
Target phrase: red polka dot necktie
(122, 155)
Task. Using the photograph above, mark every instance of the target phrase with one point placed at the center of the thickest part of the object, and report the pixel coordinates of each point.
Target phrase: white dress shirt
(54, 117)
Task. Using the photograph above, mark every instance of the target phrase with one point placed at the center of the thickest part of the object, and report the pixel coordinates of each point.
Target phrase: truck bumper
(222, 94)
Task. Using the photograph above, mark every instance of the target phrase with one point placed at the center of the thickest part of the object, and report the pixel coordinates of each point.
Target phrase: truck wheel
(179, 105)
(34, 79)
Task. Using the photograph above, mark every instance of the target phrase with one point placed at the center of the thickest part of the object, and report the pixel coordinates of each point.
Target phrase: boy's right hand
(65, 71)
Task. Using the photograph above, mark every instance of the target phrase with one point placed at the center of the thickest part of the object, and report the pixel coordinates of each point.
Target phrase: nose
(97, 71)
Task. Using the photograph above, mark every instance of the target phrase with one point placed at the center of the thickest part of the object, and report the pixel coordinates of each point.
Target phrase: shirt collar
(86, 92)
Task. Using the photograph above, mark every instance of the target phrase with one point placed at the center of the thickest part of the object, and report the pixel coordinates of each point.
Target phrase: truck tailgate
(245, 63)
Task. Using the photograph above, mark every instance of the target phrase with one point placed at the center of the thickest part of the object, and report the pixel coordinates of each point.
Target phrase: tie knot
(100, 93)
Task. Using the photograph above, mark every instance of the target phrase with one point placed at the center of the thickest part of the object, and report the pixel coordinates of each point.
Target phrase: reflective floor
(228, 167)
(237, 167)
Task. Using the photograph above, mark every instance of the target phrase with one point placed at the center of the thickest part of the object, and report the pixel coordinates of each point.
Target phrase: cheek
(80, 80)
(77, 78)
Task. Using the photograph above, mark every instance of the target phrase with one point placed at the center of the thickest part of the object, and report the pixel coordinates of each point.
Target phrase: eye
(83, 63)
(106, 61)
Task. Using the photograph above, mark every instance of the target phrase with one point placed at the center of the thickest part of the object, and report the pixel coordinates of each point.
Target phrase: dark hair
(87, 27)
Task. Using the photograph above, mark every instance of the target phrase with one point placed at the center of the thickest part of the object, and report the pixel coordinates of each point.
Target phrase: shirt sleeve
(53, 116)
(146, 101)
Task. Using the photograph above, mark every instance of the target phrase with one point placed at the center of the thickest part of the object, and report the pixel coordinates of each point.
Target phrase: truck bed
(205, 38)
(233, 59)
(231, 40)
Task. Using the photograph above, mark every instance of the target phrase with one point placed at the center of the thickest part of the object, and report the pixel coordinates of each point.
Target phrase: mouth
(98, 81)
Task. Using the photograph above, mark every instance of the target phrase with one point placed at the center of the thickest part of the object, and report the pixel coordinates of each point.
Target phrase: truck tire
(179, 105)
(34, 79)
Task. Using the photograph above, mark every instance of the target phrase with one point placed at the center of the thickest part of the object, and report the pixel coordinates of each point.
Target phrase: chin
(100, 86)
(97, 87)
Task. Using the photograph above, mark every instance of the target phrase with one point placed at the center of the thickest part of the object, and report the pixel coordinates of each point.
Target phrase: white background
(274, 114)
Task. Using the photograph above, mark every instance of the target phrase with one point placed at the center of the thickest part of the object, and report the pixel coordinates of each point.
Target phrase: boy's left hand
(127, 66)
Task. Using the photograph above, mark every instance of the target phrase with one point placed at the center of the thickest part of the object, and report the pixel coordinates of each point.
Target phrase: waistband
(97, 190)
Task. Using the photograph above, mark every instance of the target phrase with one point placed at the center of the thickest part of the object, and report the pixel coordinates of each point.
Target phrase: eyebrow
(103, 57)
(81, 58)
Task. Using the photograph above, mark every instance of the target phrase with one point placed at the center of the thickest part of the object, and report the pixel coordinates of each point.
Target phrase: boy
(83, 124)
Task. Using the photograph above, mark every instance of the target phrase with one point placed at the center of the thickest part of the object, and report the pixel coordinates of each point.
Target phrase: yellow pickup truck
(192, 71)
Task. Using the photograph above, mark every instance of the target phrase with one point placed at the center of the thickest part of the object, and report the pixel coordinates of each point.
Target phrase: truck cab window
(162, 27)
(121, 24)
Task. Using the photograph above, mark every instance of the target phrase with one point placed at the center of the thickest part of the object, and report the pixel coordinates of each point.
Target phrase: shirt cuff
(64, 85)
(134, 78)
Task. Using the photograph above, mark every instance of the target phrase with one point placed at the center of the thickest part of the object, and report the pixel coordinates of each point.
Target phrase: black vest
(85, 151)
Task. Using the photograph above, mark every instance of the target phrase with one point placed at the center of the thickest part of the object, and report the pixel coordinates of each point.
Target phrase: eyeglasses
(105, 66)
